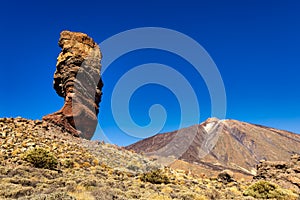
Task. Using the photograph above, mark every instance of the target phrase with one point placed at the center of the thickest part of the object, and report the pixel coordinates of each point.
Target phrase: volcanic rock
(286, 174)
(77, 79)
(226, 176)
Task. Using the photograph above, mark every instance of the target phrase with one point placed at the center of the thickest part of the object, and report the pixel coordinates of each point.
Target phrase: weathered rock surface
(77, 79)
(286, 174)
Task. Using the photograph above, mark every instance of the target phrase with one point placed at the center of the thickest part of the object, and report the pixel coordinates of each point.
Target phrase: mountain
(215, 145)
(54, 158)
(40, 160)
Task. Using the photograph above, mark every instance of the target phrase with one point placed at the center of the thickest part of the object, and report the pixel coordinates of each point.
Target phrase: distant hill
(215, 145)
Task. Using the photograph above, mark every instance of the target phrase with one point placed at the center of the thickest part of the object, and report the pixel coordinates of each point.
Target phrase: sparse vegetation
(68, 163)
(82, 195)
(159, 197)
(266, 190)
(41, 158)
(93, 170)
(155, 177)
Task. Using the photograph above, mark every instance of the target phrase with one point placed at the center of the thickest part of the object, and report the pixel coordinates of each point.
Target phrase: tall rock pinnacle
(77, 79)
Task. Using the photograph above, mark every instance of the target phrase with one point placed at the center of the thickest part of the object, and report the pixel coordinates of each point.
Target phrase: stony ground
(91, 170)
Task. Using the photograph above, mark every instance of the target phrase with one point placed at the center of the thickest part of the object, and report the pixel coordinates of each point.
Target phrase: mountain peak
(223, 144)
(211, 119)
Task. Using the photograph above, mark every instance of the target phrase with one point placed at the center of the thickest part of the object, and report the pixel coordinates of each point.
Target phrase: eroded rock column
(77, 79)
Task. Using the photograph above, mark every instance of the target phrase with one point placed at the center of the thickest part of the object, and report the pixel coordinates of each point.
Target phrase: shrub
(191, 196)
(133, 168)
(53, 196)
(68, 163)
(213, 194)
(159, 197)
(155, 177)
(41, 158)
(267, 190)
(81, 195)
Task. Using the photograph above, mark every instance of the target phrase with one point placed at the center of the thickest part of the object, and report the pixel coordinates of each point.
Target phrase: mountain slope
(222, 144)
(40, 160)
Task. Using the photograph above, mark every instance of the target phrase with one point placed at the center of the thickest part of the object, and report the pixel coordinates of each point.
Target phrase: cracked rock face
(77, 79)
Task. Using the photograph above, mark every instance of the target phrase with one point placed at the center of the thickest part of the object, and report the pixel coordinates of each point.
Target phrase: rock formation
(286, 174)
(77, 79)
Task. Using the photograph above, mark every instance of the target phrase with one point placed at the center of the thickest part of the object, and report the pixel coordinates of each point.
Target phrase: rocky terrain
(40, 160)
(20, 135)
(283, 173)
(235, 145)
(77, 80)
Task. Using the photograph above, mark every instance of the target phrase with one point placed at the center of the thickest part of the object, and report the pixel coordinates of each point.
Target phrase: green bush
(41, 158)
(67, 163)
(267, 190)
(155, 177)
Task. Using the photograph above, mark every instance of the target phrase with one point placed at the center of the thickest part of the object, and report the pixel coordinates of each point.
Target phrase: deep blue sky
(255, 45)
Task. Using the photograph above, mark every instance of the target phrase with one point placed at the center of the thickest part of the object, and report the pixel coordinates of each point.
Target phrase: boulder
(226, 176)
